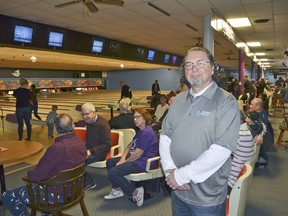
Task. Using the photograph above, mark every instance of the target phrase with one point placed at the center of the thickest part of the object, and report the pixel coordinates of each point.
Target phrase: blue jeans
(181, 208)
(116, 174)
(50, 129)
(23, 113)
(15, 200)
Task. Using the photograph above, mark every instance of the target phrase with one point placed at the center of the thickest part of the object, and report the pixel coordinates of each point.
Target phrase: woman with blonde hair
(125, 119)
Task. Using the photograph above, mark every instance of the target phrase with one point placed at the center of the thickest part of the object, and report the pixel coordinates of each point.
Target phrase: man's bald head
(256, 105)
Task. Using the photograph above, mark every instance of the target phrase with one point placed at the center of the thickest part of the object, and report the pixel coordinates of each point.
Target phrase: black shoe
(19, 139)
(28, 139)
(90, 186)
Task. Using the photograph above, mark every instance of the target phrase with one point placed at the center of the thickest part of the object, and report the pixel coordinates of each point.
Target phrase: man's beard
(196, 83)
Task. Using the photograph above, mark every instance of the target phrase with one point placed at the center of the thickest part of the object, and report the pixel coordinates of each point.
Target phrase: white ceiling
(140, 24)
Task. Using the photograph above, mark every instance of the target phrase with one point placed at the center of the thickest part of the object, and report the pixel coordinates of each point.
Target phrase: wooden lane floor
(67, 101)
(64, 101)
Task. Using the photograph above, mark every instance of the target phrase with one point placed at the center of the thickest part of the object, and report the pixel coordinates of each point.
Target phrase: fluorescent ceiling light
(240, 44)
(253, 44)
(264, 59)
(250, 54)
(239, 22)
(260, 54)
(265, 63)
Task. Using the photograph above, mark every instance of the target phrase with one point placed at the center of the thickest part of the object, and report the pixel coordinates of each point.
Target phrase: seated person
(255, 125)
(158, 125)
(67, 152)
(244, 152)
(161, 108)
(155, 101)
(125, 119)
(143, 146)
(98, 139)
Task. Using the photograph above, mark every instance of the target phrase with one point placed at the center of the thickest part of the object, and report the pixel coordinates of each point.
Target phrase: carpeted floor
(267, 193)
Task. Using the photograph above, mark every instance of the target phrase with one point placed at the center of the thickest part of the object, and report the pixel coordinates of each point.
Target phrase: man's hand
(171, 182)
(259, 139)
(88, 153)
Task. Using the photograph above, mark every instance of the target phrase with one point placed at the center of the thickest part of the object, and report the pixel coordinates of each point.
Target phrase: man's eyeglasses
(85, 114)
(137, 116)
(198, 64)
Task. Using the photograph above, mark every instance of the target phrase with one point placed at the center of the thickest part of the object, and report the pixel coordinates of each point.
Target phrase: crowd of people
(204, 141)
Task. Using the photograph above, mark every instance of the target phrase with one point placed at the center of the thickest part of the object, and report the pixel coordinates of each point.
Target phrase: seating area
(127, 135)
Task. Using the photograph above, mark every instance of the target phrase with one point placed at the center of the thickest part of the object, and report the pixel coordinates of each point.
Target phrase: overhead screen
(151, 54)
(23, 34)
(97, 45)
(166, 58)
(55, 39)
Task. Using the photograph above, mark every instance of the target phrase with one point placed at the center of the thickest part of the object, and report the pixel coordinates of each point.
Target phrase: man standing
(67, 152)
(155, 87)
(198, 136)
(126, 91)
(98, 138)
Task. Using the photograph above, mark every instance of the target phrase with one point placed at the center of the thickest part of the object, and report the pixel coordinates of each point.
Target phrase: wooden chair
(278, 105)
(117, 148)
(283, 128)
(69, 184)
(236, 203)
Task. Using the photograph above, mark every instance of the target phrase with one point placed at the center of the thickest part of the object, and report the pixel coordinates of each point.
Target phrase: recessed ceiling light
(253, 44)
(262, 20)
(239, 22)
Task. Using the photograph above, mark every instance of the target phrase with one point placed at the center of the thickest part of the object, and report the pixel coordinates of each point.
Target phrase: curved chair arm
(113, 149)
(148, 164)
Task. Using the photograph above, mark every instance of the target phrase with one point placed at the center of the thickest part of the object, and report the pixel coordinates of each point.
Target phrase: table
(17, 150)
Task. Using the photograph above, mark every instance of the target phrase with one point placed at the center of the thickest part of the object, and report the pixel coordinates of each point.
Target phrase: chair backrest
(238, 196)
(68, 184)
(117, 138)
(254, 159)
(80, 132)
(128, 133)
(277, 100)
